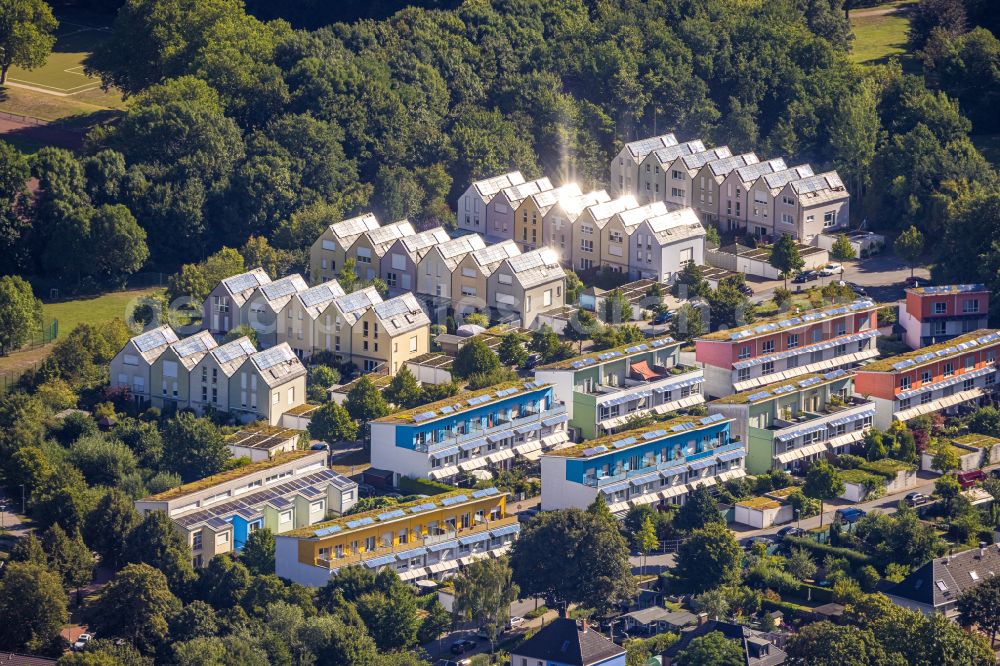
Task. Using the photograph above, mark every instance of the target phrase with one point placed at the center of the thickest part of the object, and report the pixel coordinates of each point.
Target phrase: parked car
(453, 662)
(832, 268)
(746, 290)
(663, 317)
(527, 514)
(81, 641)
(805, 276)
(995, 473)
(849, 515)
(516, 621)
(320, 447)
(913, 281)
(916, 499)
(366, 490)
(790, 531)
(857, 289)
(766, 540)
(971, 478)
(532, 361)
(462, 645)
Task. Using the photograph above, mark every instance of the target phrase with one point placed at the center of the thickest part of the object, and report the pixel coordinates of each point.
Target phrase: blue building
(475, 433)
(566, 643)
(656, 464)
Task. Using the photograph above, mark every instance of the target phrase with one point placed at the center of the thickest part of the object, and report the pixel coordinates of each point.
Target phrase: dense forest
(240, 127)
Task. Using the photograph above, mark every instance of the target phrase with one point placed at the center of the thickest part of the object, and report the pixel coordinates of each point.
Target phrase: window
(196, 540)
(390, 279)
(925, 397)
(413, 343)
(744, 352)
(787, 219)
(586, 229)
(940, 308)
(504, 278)
(767, 347)
(767, 368)
(586, 245)
(830, 219)
(904, 383)
(676, 175)
(925, 376)
(793, 340)
(939, 328)
(904, 403)
(949, 369)
(676, 192)
(971, 306)
(547, 298)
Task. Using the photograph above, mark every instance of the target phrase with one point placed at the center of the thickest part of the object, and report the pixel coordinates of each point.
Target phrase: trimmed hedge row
(815, 593)
(408, 486)
(856, 559)
(786, 607)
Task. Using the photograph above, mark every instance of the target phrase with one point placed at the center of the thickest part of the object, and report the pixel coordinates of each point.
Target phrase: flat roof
(946, 289)
(458, 404)
(232, 475)
(942, 350)
(768, 391)
(977, 441)
(264, 438)
(769, 325)
(380, 381)
(611, 354)
(436, 360)
(635, 437)
(305, 409)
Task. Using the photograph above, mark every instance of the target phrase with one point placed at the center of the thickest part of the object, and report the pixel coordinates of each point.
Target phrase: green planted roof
(593, 358)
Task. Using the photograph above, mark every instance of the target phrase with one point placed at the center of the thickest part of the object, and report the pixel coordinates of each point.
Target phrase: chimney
(702, 618)
(982, 548)
(584, 626)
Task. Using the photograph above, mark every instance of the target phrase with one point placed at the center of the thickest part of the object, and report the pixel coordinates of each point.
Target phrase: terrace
(500, 425)
(810, 433)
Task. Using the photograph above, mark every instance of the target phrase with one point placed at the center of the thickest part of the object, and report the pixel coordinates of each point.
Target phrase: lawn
(95, 310)
(880, 36)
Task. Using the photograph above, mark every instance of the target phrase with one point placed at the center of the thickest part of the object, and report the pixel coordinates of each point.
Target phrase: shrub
(480, 380)
(854, 558)
(408, 486)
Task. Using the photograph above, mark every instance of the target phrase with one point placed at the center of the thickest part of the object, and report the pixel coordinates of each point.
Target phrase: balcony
(811, 433)
(528, 417)
(676, 465)
(658, 377)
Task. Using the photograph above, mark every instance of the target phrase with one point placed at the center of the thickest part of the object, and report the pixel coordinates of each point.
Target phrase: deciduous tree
(20, 313)
(484, 591)
(26, 34)
(258, 552)
(823, 482)
(332, 423)
(785, 257)
(135, 605)
(32, 605)
(910, 246)
(712, 649)
(708, 558)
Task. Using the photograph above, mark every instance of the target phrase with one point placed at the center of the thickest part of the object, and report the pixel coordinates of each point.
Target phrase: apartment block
(524, 286)
(369, 248)
(660, 177)
(216, 514)
(941, 377)
(734, 191)
(500, 210)
(473, 204)
(936, 314)
(588, 229)
(813, 205)
(429, 538)
(528, 228)
(625, 165)
(708, 184)
(787, 346)
(223, 309)
(131, 367)
(788, 424)
(661, 246)
(603, 391)
(328, 252)
(657, 464)
(399, 264)
(482, 430)
(469, 280)
(558, 224)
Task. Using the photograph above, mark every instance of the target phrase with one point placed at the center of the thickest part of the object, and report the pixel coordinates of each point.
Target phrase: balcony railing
(455, 440)
(715, 448)
(673, 374)
(808, 419)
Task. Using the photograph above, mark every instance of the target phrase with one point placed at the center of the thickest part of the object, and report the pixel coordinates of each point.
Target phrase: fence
(49, 332)
(27, 120)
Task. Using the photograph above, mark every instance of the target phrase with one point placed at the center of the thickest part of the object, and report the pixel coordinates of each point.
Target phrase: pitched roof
(605, 210)
(675, 226)
(721, 168)
(453, 251)
(820, 188)
(150, 344)
(698, 160)
(549, 198)
(488, 258)
(751, 641)
(573, 206)
(242, 286)
(671, 153)
(565, 642)
(488, 187)
(14, 659)
(401, 314)
(751, 172)
(943, 579)
(634, 216)
(231, 355)
(418, 244)
(383, 237)
(349, 230)
(315, 300)
(193, 348)
(355, 304)
(643, 147)
(518, 193)
(537, 267)
(278, 364)
(278, 293)
(777, 180)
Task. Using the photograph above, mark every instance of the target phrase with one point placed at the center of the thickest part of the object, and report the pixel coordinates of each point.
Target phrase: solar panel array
(671, 153)
(523, 190)
(644, 147)
(274, 356)
(286, 286)
(196, 344)
(603, 211)
(954, 289)
(158, 337)
(637, 215)
(724, 166)
(242, 282)
(491, 186)
(548, 198)
(698, 160)
(816, 183)
(358, 300)
(779, 179)
(461, 245)
(233, 350)
(494, 254)
(807, 317)
(355, 225)
(397, 306)
(391, 232)
(752, 172)
(320, 294)
(426, 239)
(544, 256)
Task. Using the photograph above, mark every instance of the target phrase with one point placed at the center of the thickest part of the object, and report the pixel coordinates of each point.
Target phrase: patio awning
(844, 440)
(799, 453)
(555, 420)
(618, 507)
(641, 370)
(444, 453)
(474, 444)
(470, 465)
(555, 438)
(731, 474)
(673, 491)
(648, 498)
(482, 474)
(443, 473)
(500, 456)
(940, 403)
(413, 573)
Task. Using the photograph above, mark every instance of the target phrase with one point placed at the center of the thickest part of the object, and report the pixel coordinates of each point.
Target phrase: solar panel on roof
(448, 501)
(392, 308)
(321, 294)
(243, 282)
(389, 515)
(193, 345)
(286, 286)
(273, 356)
(153, 339)
(485, 492)
(423, 416)
(233, 350)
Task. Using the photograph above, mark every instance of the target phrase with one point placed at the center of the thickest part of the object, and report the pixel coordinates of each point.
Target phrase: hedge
(422, 486)
(815, 593)
(856, 559)
(786, 607)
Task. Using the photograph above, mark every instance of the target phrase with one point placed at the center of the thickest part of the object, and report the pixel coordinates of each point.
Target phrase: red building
(936, 314)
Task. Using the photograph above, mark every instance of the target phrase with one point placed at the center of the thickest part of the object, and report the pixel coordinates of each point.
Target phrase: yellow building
(328, 252)
(426, 538)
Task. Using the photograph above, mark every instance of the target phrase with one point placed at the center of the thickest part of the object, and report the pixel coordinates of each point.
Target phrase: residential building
(210, 377)
(707, 184)
(661, 179)
(428, 538)
(131, 366)
(369, 248)
(528, 231)
(500, 210)
(757, 647)
(343, 314)
(263, 442)
(266, 313)
(734, 192)
(588, 230)
(788, 424)
(473, 204)
(655, 464)
(169, 374)
(470, 278)
(787, 346)
(482, 430)
(400, 270)
(604, 390)
(689, 167)
(932, 379)
(625, 165)
(936, 314)
(223, 309)
(308, 322)
(390, 333)
(327, 254)
(936, 586)
(564, 642)
(216, 514)
(269, 383)
(559, 222)
(526, 285)
(661, 246)
(761, 194)
(436, 268)
(617, 233)
(813, 205)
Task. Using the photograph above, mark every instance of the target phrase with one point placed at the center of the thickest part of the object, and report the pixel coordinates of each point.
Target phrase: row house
(169, 375)
(304, 315)
(528, 225)
(761, 195)
(473, 203)
(399, 272)
(735, 187)
(481, 431)
(941, 377)
(662, 178)
(130, 368)
(265, 311)
(470, 279)
(604, 390)
(430, 538)
(708, 184)
(625, 165)
(437, 266)
(684, 174)
(216, 515)
(527, 285)
(661, 246)
(500, 211)
(811, 206)
(390, 333)
(931, 315)
(223, 309)
(328, 252)
(787, 346)
(589, 230)
(337, 323)
(619, 229)
(369, 248)
(211, 377)
(559, 222)
(787, 425)
(659, 464)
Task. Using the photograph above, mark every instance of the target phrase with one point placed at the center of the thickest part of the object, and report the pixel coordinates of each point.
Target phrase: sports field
(62, 73)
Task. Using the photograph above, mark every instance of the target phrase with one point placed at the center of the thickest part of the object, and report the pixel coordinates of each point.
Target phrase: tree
(404, 390)
(475, 357)
(477, 319)
(20, 313)
(712, 649)
(785, 257)
(910, 246)
(854, 137)
(615, 308)
(826, 644)
(842, 248)
(68, 556)
(32, 605)
(26, 34)
(29, 549)
(242, 331)
(800, 564)
(546, 344)
(156, 542)
(194, 620)
(949, 490)
(980, 606)
(332, 423)
(945, 459)
(512, 351)
(348, 275)
(945, 18)
(135, 605)
(118, 242)
(334, 641)
(594, 569)
(224, 582)
(436, 622)
(710, 557)
(646, 541)
(698, 511)
(88, 659)
(574, 285)
(103, 462)
(365, 402)
(823, 482)
(390, 612)
(688, 323)
(194, 447)
(986, 421)
(484, 591)
(258, 552)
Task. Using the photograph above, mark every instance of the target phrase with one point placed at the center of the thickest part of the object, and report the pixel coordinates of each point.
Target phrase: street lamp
(3, 508)
(798, 518)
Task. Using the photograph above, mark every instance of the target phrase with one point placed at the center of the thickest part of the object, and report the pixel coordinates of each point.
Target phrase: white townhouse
(708, 185)
(265, 310)
(169, 377)
(371, 246)
(661, 180)
(268, 384)
(530, 215)
(223, 308)
(761, 197)
(131, 366)
(436, 267)
(625, 165)
(589, 230)
(559, 222)
(661, 246)
(500, 210)
(736, 186)
(811, 206)
(472, 205)
(527, 285)
(470, 278)
(399, 263)
(346, 311)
